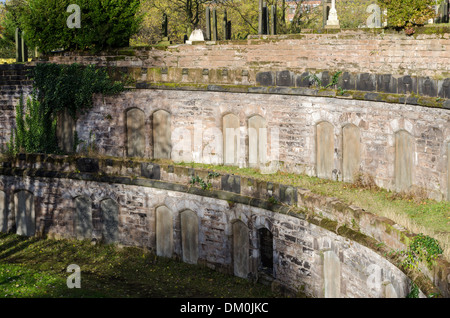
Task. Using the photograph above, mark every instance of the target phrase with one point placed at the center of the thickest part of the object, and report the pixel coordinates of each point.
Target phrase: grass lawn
(31, 267)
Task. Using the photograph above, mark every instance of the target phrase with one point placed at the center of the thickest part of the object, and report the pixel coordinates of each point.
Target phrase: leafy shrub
(406, 14)
(104, 24)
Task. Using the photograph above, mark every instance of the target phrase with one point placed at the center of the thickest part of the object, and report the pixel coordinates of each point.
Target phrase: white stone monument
(196, 36)
(333, 21)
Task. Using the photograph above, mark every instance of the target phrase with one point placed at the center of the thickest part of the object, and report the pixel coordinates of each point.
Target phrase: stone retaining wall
(304, 225)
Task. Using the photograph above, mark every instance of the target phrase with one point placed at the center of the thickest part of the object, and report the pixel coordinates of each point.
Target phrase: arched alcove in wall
(83, 218)
(24, 213)
(240, 249)
(324, 150)
(164, 232)
(162, 135)
(135, 128)
(189, 236)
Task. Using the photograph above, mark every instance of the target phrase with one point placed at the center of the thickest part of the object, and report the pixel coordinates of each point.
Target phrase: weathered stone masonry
(203, 230)
(379, 127)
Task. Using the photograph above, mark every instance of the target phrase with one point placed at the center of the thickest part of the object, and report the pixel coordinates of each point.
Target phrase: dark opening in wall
(266, 250)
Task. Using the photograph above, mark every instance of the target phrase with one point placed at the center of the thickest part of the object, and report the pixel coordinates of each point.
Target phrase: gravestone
(366, 82)
(333, 21)
(374, 20)
(231, 140)
(257, 141)
(150, 170)
(288, 194)
(448, 172)
(214, 25)
(189, 236)
(265, 79)
(347, 81)
(386, 83)
(3, 213)
(65, 131)
(162, 135)
(324, 150)
(284, 78)
(24, 212)
(427, 87)
(135, 133)
(83, 218)
(110, 213)
(404, 160)
(208, 24)
(231, 183)
(407, 85)
(444, 88)
(240, 249)
(351, 152)
(303, 80)
(196, 36)
(331, 275)
(164, 232)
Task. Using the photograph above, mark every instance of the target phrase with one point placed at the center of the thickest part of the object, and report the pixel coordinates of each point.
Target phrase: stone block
(231, 139)
(164, 232)
(24, 213)
(265, 79)
(257, 141)
(90, 165)
(83, 218)
(444, 88)
(110, 221)
(189, 236)
(386, 83)
(427, 87)
(324, 150)
(288, 194)
(150, 171)
(351, 152)
(404, 160)
(240, 249)
(162, 135)
(303, 80)
(231, 183)
(407, 84)
(366, 82)
(135, 133)
(284, 78)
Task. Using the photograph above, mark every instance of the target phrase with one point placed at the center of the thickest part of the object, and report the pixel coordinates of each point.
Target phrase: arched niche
(24, 213)
(135, 128)
(257, 141)
(324, 150)
(83, 218)
(189, 236)
(231, 140)
(162, 135)
(240, 249)
(351, 152)
(404, 160)
(110, 215)
(164, 232)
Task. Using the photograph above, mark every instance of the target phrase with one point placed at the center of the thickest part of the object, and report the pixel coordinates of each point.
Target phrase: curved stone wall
(404, 147)
(231, 227)
(203, 230)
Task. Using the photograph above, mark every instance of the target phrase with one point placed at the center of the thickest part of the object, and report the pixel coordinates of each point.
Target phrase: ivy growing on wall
(56, 88)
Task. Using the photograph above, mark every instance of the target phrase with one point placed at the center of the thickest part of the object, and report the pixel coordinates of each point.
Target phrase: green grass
(412, 211)
(32, 267)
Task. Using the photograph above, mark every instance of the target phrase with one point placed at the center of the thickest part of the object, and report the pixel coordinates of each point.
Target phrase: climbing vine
(422, 249)
(56, 88)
